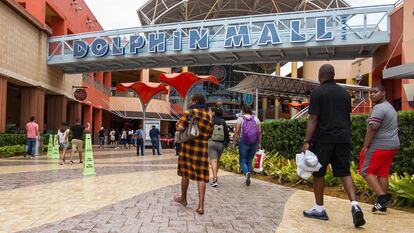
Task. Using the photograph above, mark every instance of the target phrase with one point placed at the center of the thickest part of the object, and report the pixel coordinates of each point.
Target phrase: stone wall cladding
(24, 55)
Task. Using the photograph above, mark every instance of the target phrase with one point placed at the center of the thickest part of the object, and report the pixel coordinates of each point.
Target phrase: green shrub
(283, 136)
(12, 139)
(402, 189)
(286, 137)
(229, 161)
(18, 139)
(8, 151)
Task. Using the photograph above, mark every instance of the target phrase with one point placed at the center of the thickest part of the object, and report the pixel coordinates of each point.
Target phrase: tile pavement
(232, 207)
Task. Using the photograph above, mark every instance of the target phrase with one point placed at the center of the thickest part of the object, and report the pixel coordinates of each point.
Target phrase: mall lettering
(198, 39)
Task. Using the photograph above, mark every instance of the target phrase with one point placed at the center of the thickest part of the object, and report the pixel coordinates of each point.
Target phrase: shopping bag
(258, 164)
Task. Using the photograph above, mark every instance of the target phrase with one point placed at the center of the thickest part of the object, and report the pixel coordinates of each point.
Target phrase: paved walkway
(134, 194)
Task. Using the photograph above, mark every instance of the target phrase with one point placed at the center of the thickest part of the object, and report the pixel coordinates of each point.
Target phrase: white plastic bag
(258, 164)
(307, 163)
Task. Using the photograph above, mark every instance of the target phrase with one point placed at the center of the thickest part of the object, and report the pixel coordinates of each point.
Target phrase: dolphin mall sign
(199, 39)
(311, 35)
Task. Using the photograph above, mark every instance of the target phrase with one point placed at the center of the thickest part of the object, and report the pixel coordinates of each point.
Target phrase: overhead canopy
(405, 71)
(170, 11)
(271, 85)
(148, 115)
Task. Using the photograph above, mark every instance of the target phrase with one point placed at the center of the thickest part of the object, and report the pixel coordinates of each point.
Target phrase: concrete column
(3, 104)
(107, 79)
(56, 111)
(32, 104)
(99, 76)
(264, 107)
(106, 120)
(74, 112)
(87, 114)
(97, 124)
(294, 73)
(277, 106)
(277, 70)
(370, 79)
(144, 75)
(184, 69)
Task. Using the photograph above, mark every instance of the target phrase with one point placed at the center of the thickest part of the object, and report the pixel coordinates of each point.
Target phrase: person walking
(124, 137)
(102, 137)
(140, 141)
(328, 135)
(380, 145)
(112, 137)
(130, 133)
(218, 141)
(249, 130)
(77, 134)
(32, 133)
(193, 159)
(62, 139)
(154, 134)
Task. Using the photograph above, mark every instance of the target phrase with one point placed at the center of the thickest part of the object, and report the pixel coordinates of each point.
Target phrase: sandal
(179, 200)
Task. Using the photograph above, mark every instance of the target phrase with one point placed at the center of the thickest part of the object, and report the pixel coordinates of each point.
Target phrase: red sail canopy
(145, 91)
(182, 82)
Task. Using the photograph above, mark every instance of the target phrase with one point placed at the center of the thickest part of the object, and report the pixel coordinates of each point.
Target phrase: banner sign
(199, 39)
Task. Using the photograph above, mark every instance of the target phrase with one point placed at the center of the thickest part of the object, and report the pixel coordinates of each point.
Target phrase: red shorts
(376, 163)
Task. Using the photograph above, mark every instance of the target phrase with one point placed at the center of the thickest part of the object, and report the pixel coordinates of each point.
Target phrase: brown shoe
(179, 200)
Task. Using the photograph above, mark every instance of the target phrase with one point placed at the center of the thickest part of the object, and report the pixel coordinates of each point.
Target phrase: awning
(271, 85)
(149, 115)
(405, 71)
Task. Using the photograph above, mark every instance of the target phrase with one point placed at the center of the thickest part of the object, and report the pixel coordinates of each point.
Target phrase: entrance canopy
(342, 33)
(405, 71)
(285, 87)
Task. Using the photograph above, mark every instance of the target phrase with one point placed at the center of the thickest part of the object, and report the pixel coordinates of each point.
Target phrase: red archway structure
(183, 82)
(145, 92)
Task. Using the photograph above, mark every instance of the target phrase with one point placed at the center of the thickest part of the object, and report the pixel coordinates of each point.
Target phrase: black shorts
(336, 154)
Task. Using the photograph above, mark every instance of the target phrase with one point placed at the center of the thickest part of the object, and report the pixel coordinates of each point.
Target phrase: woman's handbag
(190, 132)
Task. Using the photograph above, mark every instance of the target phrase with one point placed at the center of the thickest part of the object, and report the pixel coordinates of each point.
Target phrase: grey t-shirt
(384, 114)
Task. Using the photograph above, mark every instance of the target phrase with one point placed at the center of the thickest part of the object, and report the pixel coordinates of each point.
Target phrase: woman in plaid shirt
(193, 159)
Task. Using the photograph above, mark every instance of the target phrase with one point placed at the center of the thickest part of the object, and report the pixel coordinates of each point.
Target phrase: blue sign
(248, 99)
(199, 39)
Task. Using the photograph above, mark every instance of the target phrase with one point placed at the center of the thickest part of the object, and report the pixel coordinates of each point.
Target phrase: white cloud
(116, 14)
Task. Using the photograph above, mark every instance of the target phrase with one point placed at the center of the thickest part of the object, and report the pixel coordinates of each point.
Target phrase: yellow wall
(23, 57)
(408, 37)
(344, 69)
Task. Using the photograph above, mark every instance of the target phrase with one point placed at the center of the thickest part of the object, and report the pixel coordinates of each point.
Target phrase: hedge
(401, 187)
(18, 139)
(286, 138)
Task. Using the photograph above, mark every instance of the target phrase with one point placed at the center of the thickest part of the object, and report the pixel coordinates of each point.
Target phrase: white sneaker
(214, 184)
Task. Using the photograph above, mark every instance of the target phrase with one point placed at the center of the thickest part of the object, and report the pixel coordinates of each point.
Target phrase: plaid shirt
(193, 160)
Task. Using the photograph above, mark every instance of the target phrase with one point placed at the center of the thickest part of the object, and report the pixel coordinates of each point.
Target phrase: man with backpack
(249, 129)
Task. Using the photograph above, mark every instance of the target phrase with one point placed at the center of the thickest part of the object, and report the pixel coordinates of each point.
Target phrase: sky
(122, 13)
